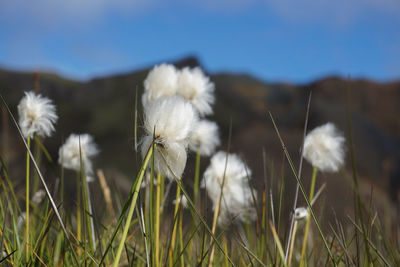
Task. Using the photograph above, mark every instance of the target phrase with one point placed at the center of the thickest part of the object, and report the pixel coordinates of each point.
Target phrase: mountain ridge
(104, 107)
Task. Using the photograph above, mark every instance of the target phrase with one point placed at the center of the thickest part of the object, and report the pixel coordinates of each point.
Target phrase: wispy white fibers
(237, 199)
(172, 120)
(324, 148)
(75, 147)
(204, 138)
(160, 82)
(196, 88)
(37, 115)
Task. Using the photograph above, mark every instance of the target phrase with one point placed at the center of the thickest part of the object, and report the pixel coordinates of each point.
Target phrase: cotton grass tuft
(324, 148)
(205, 138)
(75, 147)
(172, 120)
(195, 87)
(37, 115)
(160, 82)
(238, 197)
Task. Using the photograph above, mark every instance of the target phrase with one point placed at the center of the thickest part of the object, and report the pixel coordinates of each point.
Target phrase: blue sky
(275, 40)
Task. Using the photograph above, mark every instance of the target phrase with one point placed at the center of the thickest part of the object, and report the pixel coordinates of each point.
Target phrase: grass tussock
(43, 226)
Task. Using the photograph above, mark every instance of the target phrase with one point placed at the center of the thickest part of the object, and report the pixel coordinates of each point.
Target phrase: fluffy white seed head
(160, 82)
(37, 115)
(300, 213)
(205, 137)
(238, 197)
(324, 148)
(196, 88)
(171, 119)
(75, 147)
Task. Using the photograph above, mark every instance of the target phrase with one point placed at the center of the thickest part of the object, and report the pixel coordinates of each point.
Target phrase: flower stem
(292, 239)
(173, 238)
(27, 202)
(157, 230)
(132, 207)
(78, 209)
(196, 178)
(181, 235)
(214, 227)
(303, 250)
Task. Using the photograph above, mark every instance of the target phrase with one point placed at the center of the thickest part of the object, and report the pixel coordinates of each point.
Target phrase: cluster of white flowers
(228, 174)
(37, 115)
(324, 148)
(78, 148)
(173, 102)
(165, 80)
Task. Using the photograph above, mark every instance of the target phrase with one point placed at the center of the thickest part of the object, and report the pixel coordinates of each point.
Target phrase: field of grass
(142, 230)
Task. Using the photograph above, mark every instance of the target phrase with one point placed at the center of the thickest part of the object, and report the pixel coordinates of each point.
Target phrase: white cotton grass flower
(205, 137)
(37, 115)
(160, 82)
(38, 196)
(300, 213)
(324, 148)
(78, 146)
(195, 87)
(238, 197)
(171, 119)
(182, 201)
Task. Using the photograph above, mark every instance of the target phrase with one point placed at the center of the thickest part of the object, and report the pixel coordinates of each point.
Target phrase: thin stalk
(226, 252)
(87, 204)
(196, 178)
(89, 213)
(214, 227)
(299, 175)
(78, 209)
(27, 202)
(292, 239)
(181, 235)
(157, 220)
(173, 238)
(132, 207)
(303, 250)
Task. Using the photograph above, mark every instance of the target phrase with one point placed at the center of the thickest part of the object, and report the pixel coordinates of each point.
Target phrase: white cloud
(49, 13)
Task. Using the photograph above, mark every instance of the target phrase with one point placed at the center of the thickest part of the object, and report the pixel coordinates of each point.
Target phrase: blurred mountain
(104, 107)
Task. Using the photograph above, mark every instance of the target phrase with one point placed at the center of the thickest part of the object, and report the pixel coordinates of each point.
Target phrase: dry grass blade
(277, 242)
